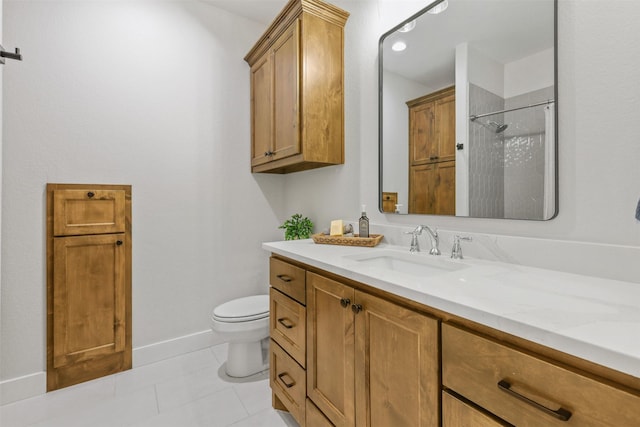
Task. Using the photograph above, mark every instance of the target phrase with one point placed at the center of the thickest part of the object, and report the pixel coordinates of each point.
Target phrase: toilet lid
(243, 309)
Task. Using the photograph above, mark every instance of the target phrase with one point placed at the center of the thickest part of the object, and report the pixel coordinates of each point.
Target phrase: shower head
(495, 127)
(499, 128)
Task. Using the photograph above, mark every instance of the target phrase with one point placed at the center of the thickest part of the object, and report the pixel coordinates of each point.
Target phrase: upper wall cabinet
(297, 96)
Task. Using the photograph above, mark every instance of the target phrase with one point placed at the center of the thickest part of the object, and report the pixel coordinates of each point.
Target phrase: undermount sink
(422, 265)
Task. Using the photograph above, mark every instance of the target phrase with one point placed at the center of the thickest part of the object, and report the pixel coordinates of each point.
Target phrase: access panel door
(89, 294)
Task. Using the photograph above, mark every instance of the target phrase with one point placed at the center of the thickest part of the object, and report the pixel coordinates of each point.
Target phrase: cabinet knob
(356, 308)
(119, 242)
(344, 302)
(90, 194)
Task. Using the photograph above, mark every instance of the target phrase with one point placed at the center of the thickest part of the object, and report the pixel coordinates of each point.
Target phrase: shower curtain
(549, 158)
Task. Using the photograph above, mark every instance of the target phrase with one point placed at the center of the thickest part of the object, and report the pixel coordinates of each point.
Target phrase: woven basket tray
(370, 242)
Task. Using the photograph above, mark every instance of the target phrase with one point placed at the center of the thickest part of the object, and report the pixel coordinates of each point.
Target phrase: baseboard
(23, 387)
(174, 347)
(35, 384)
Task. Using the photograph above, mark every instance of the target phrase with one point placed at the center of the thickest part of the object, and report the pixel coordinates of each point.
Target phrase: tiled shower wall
(486, 156)
(506, 170)
(524, 157)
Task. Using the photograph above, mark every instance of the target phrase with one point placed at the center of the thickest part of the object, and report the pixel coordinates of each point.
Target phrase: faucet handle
(456, 250)
(415, 246)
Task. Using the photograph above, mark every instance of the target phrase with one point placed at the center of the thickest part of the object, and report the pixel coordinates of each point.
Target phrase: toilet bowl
(244, 324)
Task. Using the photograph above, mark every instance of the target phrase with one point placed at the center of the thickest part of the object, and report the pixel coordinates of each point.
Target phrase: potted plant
(297, 227)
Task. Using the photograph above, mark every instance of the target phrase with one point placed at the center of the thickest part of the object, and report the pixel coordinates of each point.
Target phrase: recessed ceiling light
(407, 27)
(399, 46)
(439, 8)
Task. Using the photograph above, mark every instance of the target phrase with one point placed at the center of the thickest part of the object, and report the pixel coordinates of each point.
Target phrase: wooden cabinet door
(88, 298)
(88, 211)
(330, 348)
(286, 88)
(445, 127)
(261, 110)
(397, 365)
(432, 188)
(445, 188)
(422, 147)
(422, 184)
(432, 127)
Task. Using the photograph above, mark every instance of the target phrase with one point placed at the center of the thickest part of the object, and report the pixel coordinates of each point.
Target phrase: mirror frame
(380, 115)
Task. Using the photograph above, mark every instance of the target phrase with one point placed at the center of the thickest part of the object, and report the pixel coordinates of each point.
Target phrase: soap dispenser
(363, 223)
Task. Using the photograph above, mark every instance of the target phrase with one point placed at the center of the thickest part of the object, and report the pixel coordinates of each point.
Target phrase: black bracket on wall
(10, 55)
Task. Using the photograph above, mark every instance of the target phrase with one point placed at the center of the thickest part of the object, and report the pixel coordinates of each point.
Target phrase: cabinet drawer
(288, 325)
(88, 211)
(288, 382)
(288, 279)
(456, 413)
(528, 391)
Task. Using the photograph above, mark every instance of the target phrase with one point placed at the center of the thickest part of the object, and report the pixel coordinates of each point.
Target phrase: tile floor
(184, 391)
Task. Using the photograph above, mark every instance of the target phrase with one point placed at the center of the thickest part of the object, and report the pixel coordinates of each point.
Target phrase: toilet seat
(242, 309)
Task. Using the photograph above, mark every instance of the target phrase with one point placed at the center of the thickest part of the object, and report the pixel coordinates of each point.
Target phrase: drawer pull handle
(284, 277)
(561, 413)
(286, 323)
(90, 194)
(344, 302)
(356, 308)
(287, 384)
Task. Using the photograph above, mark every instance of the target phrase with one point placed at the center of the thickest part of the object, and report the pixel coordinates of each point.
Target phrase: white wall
(485, 72)
(157, 95)
(530, 73)
(153, 94)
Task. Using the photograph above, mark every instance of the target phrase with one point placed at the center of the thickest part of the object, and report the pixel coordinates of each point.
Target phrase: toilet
(244, 324)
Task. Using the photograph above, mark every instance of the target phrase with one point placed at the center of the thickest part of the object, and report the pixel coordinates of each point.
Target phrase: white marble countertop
(592, 318)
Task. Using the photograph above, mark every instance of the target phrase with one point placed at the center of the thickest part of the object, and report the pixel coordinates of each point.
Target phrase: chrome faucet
(456, 250)
(433, 235)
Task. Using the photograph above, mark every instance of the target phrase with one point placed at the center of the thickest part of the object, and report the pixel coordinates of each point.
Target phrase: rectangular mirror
(468, 111)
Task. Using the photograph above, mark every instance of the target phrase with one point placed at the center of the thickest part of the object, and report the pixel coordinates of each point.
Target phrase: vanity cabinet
(432, 153)
(528, 390)
(287, 329)
(375, 358)
(369, 361)
(88, 282)
(297, 95)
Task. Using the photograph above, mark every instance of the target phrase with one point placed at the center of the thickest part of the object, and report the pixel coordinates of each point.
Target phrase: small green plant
(297, 228)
